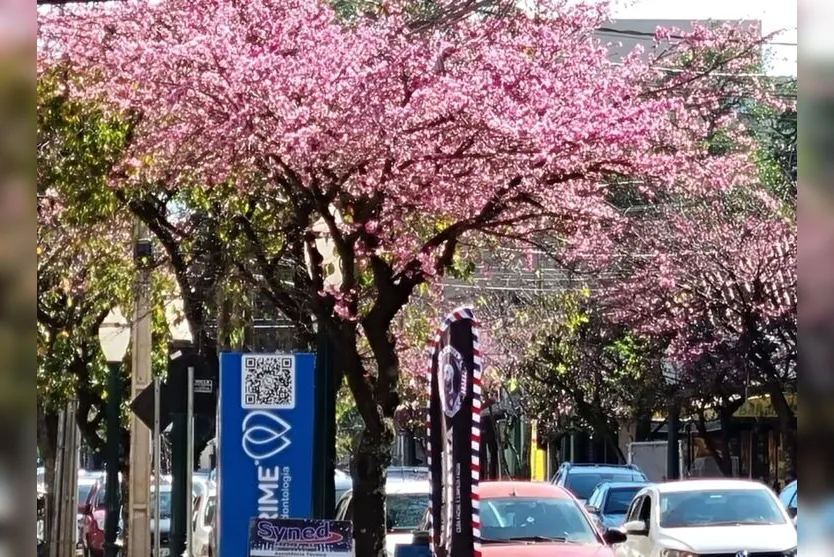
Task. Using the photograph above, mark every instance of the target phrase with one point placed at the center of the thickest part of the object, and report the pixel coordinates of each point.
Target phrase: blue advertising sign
(270, 537)
(265, 442)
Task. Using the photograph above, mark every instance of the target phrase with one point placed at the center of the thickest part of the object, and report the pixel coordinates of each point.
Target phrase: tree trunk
(787, 425)
(369, 471)
(47, 428)
(721, 458)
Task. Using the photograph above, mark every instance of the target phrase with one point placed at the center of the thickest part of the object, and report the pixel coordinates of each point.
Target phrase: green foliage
(579, 370)
(348, 426)
(84, 253)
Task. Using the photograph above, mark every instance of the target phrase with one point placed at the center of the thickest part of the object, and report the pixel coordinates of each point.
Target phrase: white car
(203, 520)
(406, 503)
(693, 518)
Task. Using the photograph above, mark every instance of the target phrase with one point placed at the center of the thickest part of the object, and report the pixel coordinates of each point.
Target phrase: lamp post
(182, 438)
(671, 374)
(114, 336)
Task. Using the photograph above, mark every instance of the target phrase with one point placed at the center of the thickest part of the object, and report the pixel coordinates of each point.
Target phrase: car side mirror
(421, 537)
(792, 511)
(614, 536)
(592, 509)
(636, 528)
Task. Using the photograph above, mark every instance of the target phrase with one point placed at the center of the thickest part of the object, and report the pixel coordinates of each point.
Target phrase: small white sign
(203, 386)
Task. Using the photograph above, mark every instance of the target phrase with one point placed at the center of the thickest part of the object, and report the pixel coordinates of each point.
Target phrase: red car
(94, 511)
(532, 519)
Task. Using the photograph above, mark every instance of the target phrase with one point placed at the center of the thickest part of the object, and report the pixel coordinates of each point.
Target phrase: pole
(70, 513)
(672, 445)
(114, 404)
(324, 489)
(189, 490)
(140, 461)
(57, 497)
(157, 464)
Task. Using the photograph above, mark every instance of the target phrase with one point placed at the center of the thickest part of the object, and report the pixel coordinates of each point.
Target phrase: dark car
(609, 502)
(582, 479)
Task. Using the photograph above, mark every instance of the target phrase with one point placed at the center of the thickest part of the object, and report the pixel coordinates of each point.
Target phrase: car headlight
(789, 553)
(677, 553)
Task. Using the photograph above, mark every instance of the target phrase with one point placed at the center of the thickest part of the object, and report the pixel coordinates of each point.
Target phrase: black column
(672, 449)
(113, 490)
(324, 489)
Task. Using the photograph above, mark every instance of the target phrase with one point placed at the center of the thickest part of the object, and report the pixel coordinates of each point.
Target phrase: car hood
(729, 539)
(541, 549)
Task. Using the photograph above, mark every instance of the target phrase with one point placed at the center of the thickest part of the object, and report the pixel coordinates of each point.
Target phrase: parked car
(536, 519)
(707, 517)
(199, 484)
(93, 517)
(609, 502)
(343, 482)
(164, 518)
(203, 522)
(86, 482)
(789, 497)
(407, 473)
(582, 479)
(405, 504)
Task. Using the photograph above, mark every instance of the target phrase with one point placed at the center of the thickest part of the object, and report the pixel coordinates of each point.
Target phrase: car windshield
(619, 499)
(211, 507)
(535, 519)
(583, 484)
(84, 492)
(164, 503)
(788, 496)
(404, 511)
(719, 508)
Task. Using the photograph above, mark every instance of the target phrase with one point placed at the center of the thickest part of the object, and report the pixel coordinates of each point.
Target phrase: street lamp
(114, 337)
(671, 374)
(182, 435)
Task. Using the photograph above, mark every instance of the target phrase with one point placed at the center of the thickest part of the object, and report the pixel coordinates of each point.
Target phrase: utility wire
(649, 35)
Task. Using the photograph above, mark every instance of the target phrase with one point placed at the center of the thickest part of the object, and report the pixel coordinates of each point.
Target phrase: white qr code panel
(268, 381)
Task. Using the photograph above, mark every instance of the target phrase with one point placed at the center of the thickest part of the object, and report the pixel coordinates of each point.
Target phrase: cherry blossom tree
(401, 144)
(717, 278)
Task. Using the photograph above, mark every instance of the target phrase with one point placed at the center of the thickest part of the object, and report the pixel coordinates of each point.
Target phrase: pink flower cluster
(508, 126)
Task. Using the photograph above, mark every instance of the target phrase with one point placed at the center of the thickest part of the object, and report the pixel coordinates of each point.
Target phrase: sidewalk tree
(578, 369)
(83, 259)
(401, 144)
(85, 265)
(722, 285)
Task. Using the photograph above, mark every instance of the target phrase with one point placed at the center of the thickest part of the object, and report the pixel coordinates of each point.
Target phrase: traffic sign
(143, 406)
(174, 390)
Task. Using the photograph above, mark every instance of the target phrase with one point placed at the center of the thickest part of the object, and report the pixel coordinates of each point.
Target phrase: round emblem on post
(455, 377)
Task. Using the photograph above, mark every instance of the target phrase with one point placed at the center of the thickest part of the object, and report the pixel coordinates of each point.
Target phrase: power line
(648, 35)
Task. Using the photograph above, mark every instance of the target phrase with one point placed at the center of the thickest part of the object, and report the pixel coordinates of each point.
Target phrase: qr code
(268, 381)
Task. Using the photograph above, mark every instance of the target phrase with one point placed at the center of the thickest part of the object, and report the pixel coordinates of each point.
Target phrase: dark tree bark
(47, 428)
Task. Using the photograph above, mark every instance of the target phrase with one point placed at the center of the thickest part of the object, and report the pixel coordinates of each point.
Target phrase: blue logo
(265, 443)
